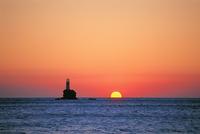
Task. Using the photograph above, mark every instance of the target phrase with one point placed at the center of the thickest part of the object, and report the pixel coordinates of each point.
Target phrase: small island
(69, 93)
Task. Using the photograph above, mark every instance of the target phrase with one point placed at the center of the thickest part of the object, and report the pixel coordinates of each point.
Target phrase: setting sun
(116, 94)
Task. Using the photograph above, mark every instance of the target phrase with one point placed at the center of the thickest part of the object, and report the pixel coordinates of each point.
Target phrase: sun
(116, 94)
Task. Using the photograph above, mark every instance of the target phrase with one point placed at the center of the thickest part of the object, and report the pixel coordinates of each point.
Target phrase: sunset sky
(142, 48)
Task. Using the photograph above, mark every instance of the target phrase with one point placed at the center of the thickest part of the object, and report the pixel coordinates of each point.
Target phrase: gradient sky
(142, 48)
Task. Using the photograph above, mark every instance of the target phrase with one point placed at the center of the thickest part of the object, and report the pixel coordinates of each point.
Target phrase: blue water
(126, 116)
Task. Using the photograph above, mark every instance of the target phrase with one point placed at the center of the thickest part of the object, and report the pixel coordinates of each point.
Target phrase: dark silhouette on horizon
(69, 93)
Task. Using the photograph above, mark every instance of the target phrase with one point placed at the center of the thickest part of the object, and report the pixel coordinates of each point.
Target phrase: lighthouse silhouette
(69, 93)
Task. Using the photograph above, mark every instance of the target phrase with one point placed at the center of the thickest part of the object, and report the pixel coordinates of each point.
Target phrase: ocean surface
(101, 116)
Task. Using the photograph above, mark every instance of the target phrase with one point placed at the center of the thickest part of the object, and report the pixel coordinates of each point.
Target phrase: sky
(142, 48)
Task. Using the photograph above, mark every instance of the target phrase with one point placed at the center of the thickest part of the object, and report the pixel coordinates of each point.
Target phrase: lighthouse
(69, 93)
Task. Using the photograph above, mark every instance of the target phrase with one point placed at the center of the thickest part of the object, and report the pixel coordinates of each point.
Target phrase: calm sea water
(107, 116)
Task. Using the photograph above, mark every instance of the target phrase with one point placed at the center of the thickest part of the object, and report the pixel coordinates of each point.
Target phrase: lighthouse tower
(67, 84)
(69, 93)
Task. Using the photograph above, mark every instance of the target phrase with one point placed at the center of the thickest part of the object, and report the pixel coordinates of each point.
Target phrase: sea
(100, 116)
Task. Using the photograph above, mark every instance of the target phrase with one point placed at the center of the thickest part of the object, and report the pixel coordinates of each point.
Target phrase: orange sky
(142, 48)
